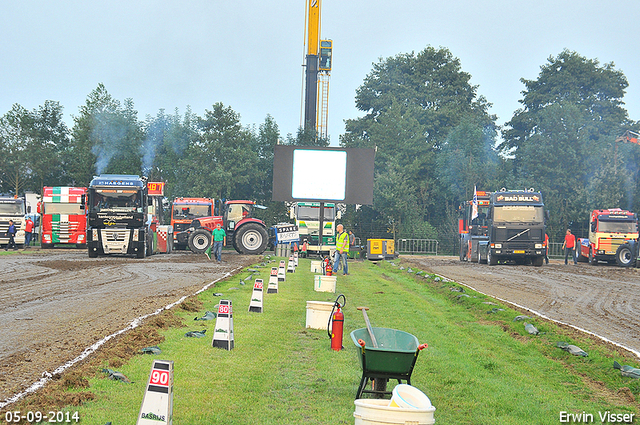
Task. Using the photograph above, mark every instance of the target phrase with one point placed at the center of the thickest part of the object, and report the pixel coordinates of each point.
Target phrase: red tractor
(247, 235)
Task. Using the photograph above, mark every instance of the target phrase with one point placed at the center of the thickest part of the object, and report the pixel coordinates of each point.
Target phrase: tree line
(434, 139)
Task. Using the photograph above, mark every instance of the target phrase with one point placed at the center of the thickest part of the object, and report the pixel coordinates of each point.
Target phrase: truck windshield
(61, 208)
(117, 200)
(518, 214)
(481, 219)
(12, 208)
(617, 227)
(313, 213)
(191, 211)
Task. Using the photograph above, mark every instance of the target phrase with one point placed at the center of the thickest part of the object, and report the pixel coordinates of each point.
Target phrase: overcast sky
(248, 54)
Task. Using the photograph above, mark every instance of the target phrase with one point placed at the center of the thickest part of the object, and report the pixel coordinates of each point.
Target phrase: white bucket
(318, 313)
(316, 266)
(409, 397)
(377, 411)
(324, 283)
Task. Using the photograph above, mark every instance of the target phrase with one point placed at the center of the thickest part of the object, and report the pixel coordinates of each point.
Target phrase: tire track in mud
(603, 300)
(54, 305)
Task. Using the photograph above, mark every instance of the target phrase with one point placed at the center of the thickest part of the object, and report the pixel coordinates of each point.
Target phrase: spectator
(28, 232)
(342, 250)
(11, 234)
(569, 246)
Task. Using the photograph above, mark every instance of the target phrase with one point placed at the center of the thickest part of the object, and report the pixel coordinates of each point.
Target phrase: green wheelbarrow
(393, 358)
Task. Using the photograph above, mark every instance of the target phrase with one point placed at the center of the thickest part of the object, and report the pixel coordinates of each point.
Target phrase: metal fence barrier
(555, 250)
(417, 246)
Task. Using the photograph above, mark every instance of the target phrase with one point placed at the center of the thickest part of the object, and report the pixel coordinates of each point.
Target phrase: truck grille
(502, 235)
(64, 229)
(115, 240)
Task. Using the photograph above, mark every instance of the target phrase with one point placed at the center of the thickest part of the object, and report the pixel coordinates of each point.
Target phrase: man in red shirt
(569, 246)
(546, 248)
(28, 232)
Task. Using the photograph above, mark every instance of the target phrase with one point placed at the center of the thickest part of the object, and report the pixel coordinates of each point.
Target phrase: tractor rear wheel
(251, 238)
(199, 240)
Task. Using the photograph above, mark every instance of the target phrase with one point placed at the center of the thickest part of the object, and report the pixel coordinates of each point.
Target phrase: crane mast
(313, 42)
(318, 69)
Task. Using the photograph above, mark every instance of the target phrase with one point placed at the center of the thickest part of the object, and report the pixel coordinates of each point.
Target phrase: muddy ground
(602, 299)
(56, 303)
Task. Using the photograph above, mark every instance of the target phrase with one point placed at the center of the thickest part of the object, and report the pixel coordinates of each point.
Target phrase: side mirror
(593, 226)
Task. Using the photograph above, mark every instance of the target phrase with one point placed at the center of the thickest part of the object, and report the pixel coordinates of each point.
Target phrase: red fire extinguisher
(336, 323)
(327, 266)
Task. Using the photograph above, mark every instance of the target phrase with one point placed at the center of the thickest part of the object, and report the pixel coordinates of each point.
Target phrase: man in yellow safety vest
(342, 250)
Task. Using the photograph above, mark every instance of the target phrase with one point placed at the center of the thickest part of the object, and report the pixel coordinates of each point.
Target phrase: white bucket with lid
(378, 411)
(409, 397)
(324, 283)
(316, 266)
(318, 313)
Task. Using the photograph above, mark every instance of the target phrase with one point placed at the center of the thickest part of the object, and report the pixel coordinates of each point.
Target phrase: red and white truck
(608, 230)
(64, 218)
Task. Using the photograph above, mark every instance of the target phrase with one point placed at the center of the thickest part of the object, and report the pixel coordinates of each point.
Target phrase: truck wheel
(491, 260)
(92, 253)
(142, 252)
(479, 256)
(199, 241)
(579, 257)
(592, 258)
(537, 261)
(251, 238)
(624, 256)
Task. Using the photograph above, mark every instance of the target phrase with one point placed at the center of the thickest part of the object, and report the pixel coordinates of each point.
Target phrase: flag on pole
(474, 206)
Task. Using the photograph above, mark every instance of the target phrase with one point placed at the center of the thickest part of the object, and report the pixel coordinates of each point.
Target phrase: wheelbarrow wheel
(380, 387)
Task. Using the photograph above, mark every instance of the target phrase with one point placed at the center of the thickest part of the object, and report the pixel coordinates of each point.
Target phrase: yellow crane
(318, 70)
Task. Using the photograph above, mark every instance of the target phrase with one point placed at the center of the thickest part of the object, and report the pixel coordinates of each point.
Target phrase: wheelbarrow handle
(366, 320)
(422, 346)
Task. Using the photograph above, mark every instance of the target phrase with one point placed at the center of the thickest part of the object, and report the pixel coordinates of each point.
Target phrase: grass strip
(481, 367)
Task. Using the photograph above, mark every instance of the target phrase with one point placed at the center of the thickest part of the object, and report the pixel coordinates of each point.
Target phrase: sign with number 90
(159, 377)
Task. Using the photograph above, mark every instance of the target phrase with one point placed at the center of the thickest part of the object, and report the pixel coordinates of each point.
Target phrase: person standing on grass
(569, 246)
(342, 250)
(219, 240)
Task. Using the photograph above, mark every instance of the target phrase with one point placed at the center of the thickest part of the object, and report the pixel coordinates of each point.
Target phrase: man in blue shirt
(11, 233)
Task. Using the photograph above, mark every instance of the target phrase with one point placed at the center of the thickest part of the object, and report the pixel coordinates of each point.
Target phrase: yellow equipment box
(380, 249)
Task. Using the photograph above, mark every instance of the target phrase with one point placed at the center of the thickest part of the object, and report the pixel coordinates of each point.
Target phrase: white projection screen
(309, 165)
(323, 174)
